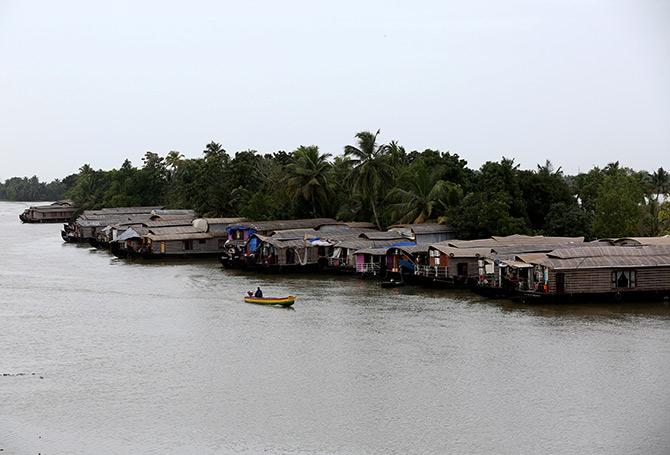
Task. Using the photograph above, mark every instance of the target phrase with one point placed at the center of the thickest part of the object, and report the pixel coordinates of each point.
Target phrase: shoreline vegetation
(379, 183)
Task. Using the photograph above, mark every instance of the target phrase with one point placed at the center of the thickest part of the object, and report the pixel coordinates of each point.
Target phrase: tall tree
(213, 150)
(660, 183)
(620, 197)
(370, 170)
(308, 177)
(173, 159)
(541, 189)
(482, 214)
(89, 189)
(422, 195)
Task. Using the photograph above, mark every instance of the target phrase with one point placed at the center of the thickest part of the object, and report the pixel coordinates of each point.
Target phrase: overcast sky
(581, 83)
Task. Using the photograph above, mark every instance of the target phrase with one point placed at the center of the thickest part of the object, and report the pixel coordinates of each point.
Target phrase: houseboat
(597, 273)
(298, 249)
(371, 262)
(58, 212)
(342, 257)
(90, 222)
(155, 219)
(188, 241)
(449, 266)
(501, 275)
(283, 254)
(236, 255)
(404, 262)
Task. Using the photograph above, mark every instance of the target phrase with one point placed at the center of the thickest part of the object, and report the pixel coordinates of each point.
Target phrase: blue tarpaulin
(253, 244)
(404, 244)
(407, 265)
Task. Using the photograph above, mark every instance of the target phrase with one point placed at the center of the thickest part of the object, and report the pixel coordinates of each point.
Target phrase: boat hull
(72, 239)
(391, 284)
(283, 301)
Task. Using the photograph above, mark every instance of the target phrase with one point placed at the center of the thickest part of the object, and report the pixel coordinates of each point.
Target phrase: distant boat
(57, 212)
(283, 301)
(392, 283)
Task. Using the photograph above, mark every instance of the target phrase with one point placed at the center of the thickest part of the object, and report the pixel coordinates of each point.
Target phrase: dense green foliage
(31, 189)
(381, 183)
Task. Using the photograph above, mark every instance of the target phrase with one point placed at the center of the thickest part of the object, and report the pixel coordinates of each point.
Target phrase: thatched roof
(341, 236)
(662, 240)
(131, 233)
(288, 234)
(358, 244)
(373, 251)
(478, 243)
(231, 220)
(515, 240)
(184, 229)
(380, 235)
(172, 212)
(106, 220)
(602, 251)
(204, 224)
(157, 223)
(536, 248)
(446, 248)
(361, 225)
(126, 210)
(53, 208)
(185, 236)
(282, 243)
(603, 257)
(413, 249)
(424, 228)
(277, 225)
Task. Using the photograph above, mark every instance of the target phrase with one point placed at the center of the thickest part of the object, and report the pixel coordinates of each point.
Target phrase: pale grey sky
(581, 82)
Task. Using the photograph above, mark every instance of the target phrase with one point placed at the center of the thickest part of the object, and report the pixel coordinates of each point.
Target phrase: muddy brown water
(163, 357)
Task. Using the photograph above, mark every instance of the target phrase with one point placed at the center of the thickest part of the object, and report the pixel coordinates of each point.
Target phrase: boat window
(623, 279)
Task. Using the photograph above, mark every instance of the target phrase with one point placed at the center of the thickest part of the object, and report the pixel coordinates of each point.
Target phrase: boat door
(462, 269)
(560, 283)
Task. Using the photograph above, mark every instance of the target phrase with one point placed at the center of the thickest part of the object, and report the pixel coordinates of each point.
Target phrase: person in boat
(259, 293)
(250, 293)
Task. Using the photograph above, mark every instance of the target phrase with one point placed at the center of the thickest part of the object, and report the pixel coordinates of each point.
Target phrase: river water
(101, 355)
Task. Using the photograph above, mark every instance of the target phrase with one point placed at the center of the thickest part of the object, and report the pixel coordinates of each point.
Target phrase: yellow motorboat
(283, 301)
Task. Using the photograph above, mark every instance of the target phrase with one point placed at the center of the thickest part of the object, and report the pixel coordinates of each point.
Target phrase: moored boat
(57, 212)
(283, 301)
(392, 283)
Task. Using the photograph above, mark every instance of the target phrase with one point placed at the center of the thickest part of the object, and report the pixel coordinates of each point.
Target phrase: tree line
(381, 183)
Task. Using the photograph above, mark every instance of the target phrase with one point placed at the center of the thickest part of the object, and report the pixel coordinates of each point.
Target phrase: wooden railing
(368, 268)
(431, 271)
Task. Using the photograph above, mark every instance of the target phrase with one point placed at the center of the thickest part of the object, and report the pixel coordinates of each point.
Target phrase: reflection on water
(164, 357)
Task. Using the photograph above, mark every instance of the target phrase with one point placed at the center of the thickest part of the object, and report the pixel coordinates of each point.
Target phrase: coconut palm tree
(89, 187)
(214, 149)
(660, 183)
(370, 169)
(397, 155)
(547, 169)
(173, 159)
(422, 196)
(308, 177)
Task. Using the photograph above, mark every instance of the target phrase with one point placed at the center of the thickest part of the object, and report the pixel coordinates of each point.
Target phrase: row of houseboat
(529, 268)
